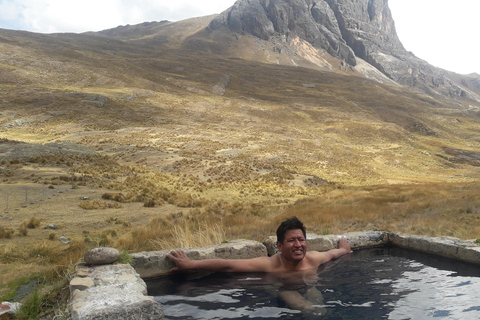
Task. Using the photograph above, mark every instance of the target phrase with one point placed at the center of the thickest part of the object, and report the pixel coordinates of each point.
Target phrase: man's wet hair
(290, 224)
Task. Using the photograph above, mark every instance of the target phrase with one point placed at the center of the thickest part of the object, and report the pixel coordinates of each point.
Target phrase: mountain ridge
(347, 31)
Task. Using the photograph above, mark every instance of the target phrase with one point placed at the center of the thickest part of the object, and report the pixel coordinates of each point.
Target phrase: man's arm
(343, 248)
(183, 263)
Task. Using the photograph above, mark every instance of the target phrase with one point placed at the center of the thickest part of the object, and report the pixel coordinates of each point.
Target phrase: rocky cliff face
(347, 30)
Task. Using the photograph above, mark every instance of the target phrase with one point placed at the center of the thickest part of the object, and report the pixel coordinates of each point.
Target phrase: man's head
(290, 224)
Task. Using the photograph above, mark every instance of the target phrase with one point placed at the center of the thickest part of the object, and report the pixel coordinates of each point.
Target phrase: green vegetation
(125, 258)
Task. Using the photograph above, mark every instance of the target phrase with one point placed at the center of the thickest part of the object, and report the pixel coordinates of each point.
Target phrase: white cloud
(48, 16)
(441, 32)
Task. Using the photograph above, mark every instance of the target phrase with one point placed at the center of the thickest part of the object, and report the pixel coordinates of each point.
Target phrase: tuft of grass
(149, 203)
(33, 223)
(6, 233)
(125, 258)
(118, 221)
(114, 197)
(22, 229)
(97, 204)
(45, 252)
(188, 234)
(31, 307)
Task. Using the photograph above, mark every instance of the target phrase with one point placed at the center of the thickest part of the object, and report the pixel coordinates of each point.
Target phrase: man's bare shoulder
(259, 264)
(270, 264)
(316, 258)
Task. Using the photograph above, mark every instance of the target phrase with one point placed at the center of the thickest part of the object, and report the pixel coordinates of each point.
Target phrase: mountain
(350, 31)
(293, 92)
(359, 36)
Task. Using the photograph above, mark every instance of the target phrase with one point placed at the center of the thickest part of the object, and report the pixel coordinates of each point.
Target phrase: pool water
(381, 283)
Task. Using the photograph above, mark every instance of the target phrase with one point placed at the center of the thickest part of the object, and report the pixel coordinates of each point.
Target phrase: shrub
(96, 204)
(109, 232)
(114, 197)
(118, 221)
(45, 250)
(149, 203)
(105, 241)
(23, 230)
(52, 236)
(6, 233)
(33, 223)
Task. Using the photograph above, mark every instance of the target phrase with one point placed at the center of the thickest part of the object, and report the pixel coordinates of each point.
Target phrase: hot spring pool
(381, 283)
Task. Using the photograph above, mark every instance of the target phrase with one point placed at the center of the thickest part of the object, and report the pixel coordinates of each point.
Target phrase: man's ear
(279, 246)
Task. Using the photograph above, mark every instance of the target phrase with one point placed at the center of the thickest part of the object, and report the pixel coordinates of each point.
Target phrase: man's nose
(296, 243)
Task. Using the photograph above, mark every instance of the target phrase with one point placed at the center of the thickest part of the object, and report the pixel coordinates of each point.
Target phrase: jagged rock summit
(348, 30)
(345, 29)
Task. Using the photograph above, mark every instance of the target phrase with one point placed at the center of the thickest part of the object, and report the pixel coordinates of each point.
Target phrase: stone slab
(443, 246)
(111, 292)
(155, 263)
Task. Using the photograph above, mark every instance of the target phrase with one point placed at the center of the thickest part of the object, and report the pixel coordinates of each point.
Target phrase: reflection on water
(385, 283)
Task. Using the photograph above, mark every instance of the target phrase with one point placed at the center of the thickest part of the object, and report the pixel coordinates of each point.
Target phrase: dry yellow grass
(195, 212)
(162, 162)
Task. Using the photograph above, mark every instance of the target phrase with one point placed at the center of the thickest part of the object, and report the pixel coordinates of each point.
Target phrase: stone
(313, 22)
(101, 255)
(9, 310)
(443, 246)
(51, 226)
(64, 240)
(117, 293)
(81, 284)
(155, 263)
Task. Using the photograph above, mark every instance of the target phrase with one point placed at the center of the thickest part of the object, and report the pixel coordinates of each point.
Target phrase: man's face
(294, 247)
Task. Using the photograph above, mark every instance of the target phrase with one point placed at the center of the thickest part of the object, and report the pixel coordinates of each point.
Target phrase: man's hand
(181, 260)
(344, 244)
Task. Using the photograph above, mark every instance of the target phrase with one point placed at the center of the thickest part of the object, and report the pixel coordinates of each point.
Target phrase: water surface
(381, 283)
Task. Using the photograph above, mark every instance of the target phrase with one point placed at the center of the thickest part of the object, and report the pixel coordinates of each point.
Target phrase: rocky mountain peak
(347, 30)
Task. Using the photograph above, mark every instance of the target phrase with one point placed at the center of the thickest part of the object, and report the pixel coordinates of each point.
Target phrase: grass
(31, 307)
(165, 163)
(188, 235)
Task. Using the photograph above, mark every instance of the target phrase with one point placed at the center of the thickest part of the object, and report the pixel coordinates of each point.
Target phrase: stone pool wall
(155, 263)
(448, 247)
(119, 292)
(113, 292)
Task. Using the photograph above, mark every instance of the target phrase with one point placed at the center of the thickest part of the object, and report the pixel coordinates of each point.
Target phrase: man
(292, 256)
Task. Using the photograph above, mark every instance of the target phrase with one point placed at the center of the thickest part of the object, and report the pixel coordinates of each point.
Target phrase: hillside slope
(175, 105)
(314, 89)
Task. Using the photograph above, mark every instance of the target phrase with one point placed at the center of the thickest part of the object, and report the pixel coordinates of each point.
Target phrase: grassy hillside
(154, 136)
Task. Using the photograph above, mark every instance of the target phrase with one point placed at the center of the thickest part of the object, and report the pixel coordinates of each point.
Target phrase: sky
(442, 32)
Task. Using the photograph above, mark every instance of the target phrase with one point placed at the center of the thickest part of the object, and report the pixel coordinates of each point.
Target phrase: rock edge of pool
(118, 291)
